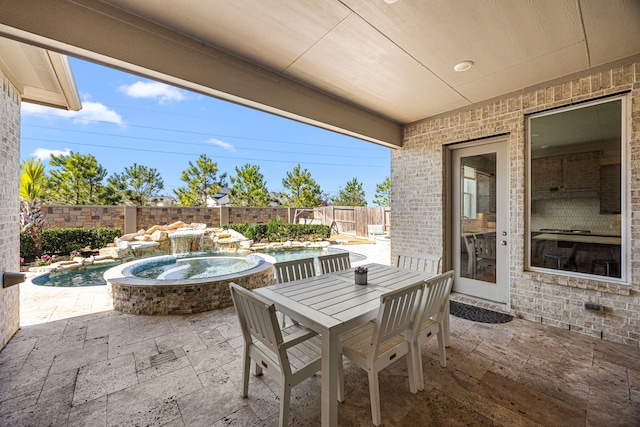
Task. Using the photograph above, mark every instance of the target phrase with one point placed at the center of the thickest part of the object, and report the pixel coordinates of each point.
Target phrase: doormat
(478, 314)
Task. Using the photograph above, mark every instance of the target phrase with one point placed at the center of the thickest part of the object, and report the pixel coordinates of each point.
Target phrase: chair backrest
(257, 319)
(436, 292)
(286, 271)
(397, 315)
(423, 263)
(485, 248)
(334, 262)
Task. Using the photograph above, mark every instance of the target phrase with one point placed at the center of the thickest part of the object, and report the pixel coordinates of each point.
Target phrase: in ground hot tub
(170, 285)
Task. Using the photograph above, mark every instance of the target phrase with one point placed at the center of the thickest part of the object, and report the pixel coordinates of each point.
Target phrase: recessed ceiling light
(390, 1)
(463, 66)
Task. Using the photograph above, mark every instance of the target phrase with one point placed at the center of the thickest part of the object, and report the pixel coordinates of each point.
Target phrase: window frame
(625, 228)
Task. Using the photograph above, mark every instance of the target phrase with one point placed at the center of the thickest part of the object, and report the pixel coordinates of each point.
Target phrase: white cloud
(45, 153)
(154, 90)
(90, 112)
(222, 144)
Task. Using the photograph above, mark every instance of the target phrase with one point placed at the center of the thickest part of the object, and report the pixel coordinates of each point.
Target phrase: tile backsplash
(574, 214)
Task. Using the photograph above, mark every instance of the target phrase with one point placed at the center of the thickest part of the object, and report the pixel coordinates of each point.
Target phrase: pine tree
(352, 195)
(249, 188)
(303, 191)
(202, 182)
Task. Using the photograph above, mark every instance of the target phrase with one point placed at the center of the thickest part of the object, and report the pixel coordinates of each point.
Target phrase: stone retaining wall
(71, 216)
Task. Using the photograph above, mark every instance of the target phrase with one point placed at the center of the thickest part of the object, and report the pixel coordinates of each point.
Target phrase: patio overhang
(362, 68)
(142, 47)
(41, 76)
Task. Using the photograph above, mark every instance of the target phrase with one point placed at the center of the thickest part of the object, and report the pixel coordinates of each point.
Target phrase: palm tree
(32, 179)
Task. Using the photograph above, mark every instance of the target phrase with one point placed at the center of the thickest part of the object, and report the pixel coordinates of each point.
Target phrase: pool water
(90, 277)
(193, 268)
(291, 254)
(175, 271)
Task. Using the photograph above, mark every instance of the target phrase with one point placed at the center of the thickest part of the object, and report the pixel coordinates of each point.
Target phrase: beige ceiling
(362, 67)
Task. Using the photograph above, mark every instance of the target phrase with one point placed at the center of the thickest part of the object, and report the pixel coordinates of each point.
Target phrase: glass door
(479, 187)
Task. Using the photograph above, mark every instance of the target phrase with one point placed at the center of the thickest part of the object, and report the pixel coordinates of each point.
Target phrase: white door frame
(497, 292)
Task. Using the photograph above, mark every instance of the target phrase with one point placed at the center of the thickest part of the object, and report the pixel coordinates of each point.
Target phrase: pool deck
(77, 362)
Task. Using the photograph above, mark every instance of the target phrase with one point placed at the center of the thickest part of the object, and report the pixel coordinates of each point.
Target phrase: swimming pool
(94, 276)
(88, 277)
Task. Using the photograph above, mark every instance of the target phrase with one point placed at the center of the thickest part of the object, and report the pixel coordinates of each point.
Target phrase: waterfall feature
(186, 241)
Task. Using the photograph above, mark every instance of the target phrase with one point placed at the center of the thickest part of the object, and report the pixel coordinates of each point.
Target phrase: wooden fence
(353, 220)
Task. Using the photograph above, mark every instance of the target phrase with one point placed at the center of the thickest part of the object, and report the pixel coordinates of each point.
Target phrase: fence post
(130, 219)
(224, 215)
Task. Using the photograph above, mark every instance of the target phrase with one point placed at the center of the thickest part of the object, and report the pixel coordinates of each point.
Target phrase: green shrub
(275, 231)
(67, 240)
(27, 248)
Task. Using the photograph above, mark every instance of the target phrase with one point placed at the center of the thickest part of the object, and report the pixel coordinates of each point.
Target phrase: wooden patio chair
(419, 262)
(290, 355)
(376, 345)
(428, 264)
(334, 262)
(433, 312)
(287, 271)
(485, 250)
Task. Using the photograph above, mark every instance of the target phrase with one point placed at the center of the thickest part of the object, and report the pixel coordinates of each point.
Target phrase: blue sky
(127, 119)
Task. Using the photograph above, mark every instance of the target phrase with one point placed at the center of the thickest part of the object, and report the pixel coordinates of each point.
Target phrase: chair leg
(441, 347)
(374, 396)
(285, 400)
(257, 369)
(414, 381)
(446, 323)
(417, 366)
(246, 365)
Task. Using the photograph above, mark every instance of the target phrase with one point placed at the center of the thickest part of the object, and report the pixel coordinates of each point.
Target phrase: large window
(576, 189)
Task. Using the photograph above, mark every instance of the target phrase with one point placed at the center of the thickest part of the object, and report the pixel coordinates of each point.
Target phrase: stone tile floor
(77, 362)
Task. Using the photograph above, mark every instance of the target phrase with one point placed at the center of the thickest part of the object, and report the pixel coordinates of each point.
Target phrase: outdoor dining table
(331, 304)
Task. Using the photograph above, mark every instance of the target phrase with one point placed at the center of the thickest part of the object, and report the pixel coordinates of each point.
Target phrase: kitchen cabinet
(569, 176)
(610, 188)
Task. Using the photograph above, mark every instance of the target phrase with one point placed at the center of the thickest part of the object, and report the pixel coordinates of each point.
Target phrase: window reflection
(575, 189)
(478, 223)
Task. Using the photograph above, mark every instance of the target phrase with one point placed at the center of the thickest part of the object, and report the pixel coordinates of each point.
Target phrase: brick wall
(418, 200)
(9, 205)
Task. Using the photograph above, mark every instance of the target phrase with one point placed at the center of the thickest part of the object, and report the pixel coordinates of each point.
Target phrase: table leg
(329, 401)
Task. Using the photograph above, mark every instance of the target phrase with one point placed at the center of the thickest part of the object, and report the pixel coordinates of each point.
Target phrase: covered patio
(387, 76)
(77, 362)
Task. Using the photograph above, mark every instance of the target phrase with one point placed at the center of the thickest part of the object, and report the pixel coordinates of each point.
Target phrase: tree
(248, 187)
(383, 193)
(136, 185)
(32, 182)
(202, 182)
(78, 181)
(352, 195)
(303, 191)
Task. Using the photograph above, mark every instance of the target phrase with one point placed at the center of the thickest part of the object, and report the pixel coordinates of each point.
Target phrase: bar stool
(557, 259)
(610, 266)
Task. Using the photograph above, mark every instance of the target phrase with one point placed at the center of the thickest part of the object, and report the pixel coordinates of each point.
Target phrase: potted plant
(361, 275)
